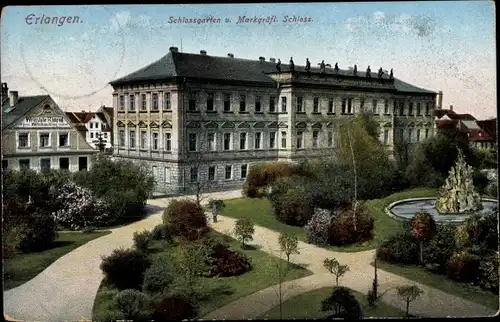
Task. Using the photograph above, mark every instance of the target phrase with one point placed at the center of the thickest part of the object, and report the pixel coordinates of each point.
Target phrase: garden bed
(308, 306)
(23, 267)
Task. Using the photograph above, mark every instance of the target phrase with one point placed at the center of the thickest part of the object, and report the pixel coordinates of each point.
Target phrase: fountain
(456, 201)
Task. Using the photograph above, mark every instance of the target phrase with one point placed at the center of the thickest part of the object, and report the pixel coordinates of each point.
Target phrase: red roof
(447, 124)
(440, 113)
(463, 117)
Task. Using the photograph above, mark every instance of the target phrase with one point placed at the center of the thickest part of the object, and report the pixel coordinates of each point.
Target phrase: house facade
(37, 135)
(95, 126)
(196, 119)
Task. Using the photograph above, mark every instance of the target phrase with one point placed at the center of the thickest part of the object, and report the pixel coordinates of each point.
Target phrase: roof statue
(322, 67)
(336, 68)
(368, 72)
(355, 70)
(308, 67)
(278, 65)
(380, 72)
(292, 65)
(391, 75)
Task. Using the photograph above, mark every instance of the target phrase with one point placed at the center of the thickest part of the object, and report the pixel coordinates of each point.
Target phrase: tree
(244, 230)
(409, 293)
(215, 206)
(342, 303)
(289, 245)
(334, 267)
(373, 293)
(423, 228)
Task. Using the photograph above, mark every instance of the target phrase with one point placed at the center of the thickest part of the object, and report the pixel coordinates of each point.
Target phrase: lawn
(466, 291)
(308, 306)
(23, 267)
(225, 290)
(259, 211)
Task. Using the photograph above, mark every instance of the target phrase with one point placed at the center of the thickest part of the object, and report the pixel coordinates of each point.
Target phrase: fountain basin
(407, 208)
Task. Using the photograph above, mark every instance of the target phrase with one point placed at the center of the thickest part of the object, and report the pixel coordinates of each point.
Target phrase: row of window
(44, 140)
(95, 135)
(194, 173)
(46, 163)
(346, 106)
(418, 135)
(95, 125)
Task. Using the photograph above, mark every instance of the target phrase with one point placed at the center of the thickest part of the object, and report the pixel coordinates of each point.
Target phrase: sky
(441, 46)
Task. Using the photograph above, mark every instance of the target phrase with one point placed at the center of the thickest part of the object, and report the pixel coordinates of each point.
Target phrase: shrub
(342, 228)
(186, 219)
(262, 174)
(492, 189)
(400, 248)
(440, 248)
(159, 276)
(161, 232)
(142, 240)
(343, 304)
(479, 233)
(488, 278)
(317, 228)
(124, 268)
(88, 229)
(294, 207)
(463, 267)
(480, 181)
(133, 304)
(174, 308)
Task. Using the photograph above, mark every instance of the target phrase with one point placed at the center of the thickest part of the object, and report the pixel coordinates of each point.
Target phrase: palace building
(198, 120)
(37, 135)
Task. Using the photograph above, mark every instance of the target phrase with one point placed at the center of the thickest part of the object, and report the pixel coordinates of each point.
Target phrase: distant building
(38, 135)
(95, 126)
(194, 118)
(485, 137)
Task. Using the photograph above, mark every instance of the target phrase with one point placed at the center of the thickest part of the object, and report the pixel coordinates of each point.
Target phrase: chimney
(451, 107)
(13, 98)
(230, 55)
(173, 49)
(5, 91)
(272, 60)
(440, 100)
(203, 52)
(262, 58)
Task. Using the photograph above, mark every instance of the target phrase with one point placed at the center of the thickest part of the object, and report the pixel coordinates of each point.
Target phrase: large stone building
(198, 119)
(37, 135)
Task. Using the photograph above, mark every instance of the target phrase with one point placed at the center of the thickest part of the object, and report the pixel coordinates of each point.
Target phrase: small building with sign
(95, 126)
(37, 135)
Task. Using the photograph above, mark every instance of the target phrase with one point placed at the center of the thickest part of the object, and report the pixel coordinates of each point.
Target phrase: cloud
(420, 26)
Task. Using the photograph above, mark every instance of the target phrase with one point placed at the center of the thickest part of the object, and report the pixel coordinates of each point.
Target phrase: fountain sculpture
(457, 195)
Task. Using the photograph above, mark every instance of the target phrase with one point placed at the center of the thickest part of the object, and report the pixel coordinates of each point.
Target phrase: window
(315, 139)
(410, 108)
(299, 106)
(121, 138)
(194, 174)
(362, 105)
(283, 104)
(91, 125)
(418, 135)
(386, 137)
(272, 104)
(63, 139)
(427, 133)
(167, 175)
(23, 140)
(122, 102)
(167, 103)
(91, 135)
(401, 108)
(349, 106)
(427, 109)
(374, 106)
(131, 103)
(330, 106)
(300, 140)
(243, 105)
(330, 139)
(227, 102)
(131, 139)
(257, 104)
(211, 142)
(210, 103)
(243, 141)
(5, 164)
(45, 164)
(316, 105)
(344, 106)
(64, 163)
(283, 140)
(192, 142)
(143, 102)
(155, 173)
(44, 140)
(272, 140)
(419, 112)
(227, 141)
(144, 139)
(386, 107)
(409, 135)
(244, 168)
(24, 164)
(211, 173)
(228, 172)
(154, 137)
(168, 142)
(258, 138)
(155, 102)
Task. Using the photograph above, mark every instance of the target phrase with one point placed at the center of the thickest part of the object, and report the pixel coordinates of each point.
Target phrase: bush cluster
(343, 231)
(159, 276)
(488, 269)
(290, 203)
(142, 240)
(133, 304)
(186, 219)
(400, 248)
(463, 267)
(174, 308)
(226, 262)
(125, 268)
(317, 228)
(439, 249)
(161, 232)
(261, 175)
